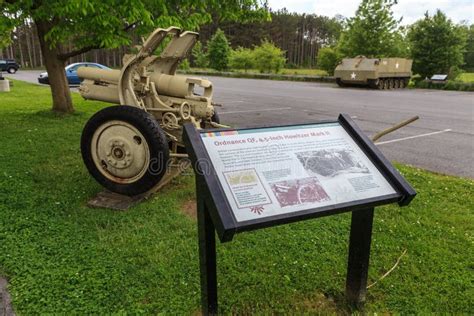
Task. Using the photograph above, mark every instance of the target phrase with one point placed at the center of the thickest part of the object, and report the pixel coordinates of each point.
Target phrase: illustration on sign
(272, 171)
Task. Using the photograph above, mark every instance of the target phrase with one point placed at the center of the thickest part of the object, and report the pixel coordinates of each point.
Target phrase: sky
(411, 10)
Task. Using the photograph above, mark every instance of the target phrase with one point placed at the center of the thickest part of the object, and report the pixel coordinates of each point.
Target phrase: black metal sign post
(216, 215)
(207, 252)
(359, 253)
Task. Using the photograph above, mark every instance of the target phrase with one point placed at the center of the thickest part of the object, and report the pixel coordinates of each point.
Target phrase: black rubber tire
(215, 117)
(154, 136)
(11, 70)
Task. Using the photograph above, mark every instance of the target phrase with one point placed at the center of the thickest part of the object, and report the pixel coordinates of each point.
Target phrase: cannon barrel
(167, 85)
(102, 75)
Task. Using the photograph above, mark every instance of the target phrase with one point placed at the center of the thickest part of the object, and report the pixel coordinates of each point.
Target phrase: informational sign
(280, 170)
(249, 179)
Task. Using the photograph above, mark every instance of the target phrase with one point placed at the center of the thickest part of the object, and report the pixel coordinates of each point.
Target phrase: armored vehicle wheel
(124, 149)
(401, 83)
(340, 83)
(396, 83)
(390, 83)
(380, 84)
(386, 84)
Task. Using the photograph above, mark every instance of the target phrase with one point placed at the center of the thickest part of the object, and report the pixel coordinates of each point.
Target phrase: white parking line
(260, 110)
(235, 101)
(411, 137)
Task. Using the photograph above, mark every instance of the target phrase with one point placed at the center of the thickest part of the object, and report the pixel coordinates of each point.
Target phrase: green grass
(61, 256)
(307, 72)
(466, 77)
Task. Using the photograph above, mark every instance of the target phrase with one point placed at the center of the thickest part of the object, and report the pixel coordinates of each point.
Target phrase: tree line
(25, 48)
(299, 36)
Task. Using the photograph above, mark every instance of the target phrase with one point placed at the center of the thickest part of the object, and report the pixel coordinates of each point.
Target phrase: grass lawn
(466, 77)
(61, 256)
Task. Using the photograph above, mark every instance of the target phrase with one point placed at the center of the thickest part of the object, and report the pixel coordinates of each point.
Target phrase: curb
(5, 299)
(261, 76)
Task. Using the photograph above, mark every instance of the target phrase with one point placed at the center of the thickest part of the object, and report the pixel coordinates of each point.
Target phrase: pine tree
(200, 58)
(219, 50)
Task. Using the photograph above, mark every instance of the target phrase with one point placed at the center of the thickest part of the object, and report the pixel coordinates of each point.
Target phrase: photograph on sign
(280, 170)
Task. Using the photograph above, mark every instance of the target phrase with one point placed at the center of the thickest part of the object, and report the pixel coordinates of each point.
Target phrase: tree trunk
(62, 101)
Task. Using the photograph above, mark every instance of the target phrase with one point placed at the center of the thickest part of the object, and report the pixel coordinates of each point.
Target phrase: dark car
(71, 73)
(9, 65)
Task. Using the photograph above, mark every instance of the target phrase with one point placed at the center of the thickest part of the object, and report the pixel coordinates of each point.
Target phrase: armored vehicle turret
(377, 73)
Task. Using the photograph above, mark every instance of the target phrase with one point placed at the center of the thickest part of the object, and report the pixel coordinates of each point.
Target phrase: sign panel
(282, 170)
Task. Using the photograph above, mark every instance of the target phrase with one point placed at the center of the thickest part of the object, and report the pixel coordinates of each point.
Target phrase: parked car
(9, 65)
(71, 73)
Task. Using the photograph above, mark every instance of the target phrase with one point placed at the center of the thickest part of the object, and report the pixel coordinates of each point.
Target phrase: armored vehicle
(377, 73)
(128, 147)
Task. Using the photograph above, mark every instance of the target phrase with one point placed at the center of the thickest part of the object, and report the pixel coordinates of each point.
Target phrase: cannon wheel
(124, 149)
(214, 118)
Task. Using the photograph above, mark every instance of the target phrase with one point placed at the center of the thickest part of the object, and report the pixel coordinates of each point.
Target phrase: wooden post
(207, 253)
(359, 253)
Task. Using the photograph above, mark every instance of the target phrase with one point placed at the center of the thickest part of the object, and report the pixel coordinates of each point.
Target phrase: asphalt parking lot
(441, 140)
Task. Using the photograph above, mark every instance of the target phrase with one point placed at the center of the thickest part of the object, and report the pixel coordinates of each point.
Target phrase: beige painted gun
(127, 147)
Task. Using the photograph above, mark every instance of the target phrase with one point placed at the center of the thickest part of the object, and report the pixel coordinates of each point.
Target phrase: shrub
(241, 58)
(268, 57)
(449, 85)
(328, 58)
(219, 50)
(184, 65)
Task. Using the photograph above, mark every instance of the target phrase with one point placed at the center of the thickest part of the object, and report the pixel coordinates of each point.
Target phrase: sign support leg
(207, 258)
(359, 252)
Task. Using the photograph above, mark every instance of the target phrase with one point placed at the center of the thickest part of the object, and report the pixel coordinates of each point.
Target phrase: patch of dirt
(321, 304)
(189, 209)
(5, 299)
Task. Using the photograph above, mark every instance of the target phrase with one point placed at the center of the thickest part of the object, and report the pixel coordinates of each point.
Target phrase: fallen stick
(389, 271)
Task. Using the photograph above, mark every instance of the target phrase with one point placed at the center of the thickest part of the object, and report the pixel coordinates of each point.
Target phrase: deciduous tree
(372, 32)
(469, 51)
(328, 58)
(90, 24)
(437, 45)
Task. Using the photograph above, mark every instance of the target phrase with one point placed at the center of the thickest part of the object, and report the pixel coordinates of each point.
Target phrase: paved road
(442, 140)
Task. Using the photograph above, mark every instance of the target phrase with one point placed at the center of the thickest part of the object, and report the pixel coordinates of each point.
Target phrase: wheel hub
(120, 152)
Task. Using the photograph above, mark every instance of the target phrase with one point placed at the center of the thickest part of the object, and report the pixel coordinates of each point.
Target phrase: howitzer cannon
(128, 147)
